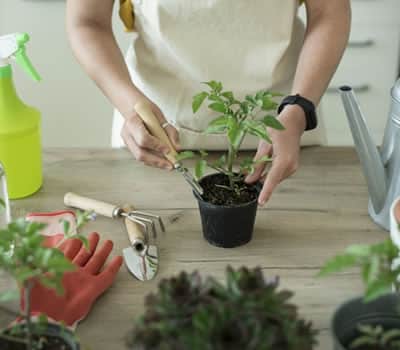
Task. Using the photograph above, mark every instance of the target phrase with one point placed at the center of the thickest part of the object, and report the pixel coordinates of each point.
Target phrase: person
(176, 44)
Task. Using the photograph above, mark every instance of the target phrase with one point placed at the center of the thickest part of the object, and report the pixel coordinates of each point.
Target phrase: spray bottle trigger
(22, 59)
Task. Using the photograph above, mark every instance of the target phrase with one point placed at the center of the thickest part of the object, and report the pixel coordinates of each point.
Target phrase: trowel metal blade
(143, 267)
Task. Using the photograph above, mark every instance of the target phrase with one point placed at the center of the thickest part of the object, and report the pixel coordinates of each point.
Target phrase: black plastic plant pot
(54, 333)
(227, 226)
(383, 311)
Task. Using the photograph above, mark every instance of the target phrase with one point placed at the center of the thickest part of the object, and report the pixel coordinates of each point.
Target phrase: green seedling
(236, 119)
(27, 261)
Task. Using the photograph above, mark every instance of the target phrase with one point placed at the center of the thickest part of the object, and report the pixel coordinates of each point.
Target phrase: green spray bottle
(20, 146)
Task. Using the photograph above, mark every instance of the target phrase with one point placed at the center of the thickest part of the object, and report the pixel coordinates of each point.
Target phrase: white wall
(74, 112)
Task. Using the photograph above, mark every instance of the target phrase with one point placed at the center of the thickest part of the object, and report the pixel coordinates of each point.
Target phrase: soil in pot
(217, 192)
(227, 216)
(49, 343)
(52, 338)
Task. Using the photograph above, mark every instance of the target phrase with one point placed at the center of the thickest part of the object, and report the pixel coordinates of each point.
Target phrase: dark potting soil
(49, 343)
(215, 194)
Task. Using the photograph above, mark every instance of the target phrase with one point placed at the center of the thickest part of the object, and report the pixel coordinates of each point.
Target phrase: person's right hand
(143, 145)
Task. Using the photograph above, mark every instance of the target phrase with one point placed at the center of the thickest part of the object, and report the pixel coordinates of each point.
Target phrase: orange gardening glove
(81, 287)
(54, 230)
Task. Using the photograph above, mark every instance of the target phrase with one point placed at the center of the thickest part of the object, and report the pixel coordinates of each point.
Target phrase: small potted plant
(246, 313)
(24, 257)
(228, 206)
(371, 322)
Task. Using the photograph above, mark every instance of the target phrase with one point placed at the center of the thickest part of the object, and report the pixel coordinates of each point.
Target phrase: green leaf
(203, 153)
(2, 203)
(9, 295)
(198, 101)
(217, 107)
(257, 128)
(200, 168)
(338, 263)
(272, 122)
(83, 239)
(228, 95)
(66, 226)
(214, 85)
(218, 125)
(185, 155)
(378, 288)
(268, 104)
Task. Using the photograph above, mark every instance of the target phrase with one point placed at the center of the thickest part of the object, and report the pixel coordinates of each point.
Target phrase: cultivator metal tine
(151, 217)
(140, 222)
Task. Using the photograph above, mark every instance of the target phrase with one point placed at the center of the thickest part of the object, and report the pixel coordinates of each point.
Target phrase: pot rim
(345, 304)
(257, 185)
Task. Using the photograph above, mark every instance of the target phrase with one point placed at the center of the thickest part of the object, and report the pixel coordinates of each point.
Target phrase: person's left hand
(285, 151)
(82, 287)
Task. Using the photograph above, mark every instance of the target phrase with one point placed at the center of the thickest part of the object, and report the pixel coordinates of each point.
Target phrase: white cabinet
(370, 65)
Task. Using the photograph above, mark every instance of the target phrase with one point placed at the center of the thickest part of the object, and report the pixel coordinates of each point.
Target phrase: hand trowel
(152, 124)
(141, 258)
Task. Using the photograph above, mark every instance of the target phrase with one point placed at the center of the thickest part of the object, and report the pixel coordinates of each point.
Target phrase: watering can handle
(102, 208)
(150, 120)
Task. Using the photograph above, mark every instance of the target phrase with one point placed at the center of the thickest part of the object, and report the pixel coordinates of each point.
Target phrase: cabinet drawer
(375, 64)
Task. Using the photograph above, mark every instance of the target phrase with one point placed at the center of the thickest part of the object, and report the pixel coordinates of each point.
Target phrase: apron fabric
(177, 44)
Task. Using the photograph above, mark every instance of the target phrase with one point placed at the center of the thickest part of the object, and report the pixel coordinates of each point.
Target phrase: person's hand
(144, 146)
(285, 151)
(91, 278)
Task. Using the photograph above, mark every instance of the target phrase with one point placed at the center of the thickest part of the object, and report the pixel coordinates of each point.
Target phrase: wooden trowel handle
(84, 203)
(135, 231)
(143, 108)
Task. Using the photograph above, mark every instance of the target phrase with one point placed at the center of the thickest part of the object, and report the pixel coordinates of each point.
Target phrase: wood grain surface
(312, 216)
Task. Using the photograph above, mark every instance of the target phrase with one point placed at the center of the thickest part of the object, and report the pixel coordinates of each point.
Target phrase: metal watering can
(381, 166)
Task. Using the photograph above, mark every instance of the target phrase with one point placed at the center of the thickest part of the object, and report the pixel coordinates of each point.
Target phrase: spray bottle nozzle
(13, 45)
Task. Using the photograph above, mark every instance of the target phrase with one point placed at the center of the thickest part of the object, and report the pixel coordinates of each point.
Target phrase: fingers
(52, 241)
(173, 136)
(97, 261)
(143, 155)
(84, 254)
(71, 247)
(281, 169)
(142, 137)
(263, 150)
(109, 273)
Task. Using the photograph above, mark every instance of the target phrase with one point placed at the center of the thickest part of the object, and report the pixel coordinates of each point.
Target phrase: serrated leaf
(268, 104)
(217, 107)
(200, 168)
(256, 128)
(218, 125)
(338, 263)
(228, 95)
(185, 155)
(66, 226)
(378, 288)
(272, 122)
(198, 101)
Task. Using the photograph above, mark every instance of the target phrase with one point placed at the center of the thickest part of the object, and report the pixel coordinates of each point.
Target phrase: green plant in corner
(236, 120)
(379, 266)
(27, 261)
(247, 312)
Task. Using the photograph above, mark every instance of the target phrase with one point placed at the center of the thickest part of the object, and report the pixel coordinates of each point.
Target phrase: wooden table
(313, 215)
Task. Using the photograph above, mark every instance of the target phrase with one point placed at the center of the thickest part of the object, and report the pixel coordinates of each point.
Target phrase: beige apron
(248, 45)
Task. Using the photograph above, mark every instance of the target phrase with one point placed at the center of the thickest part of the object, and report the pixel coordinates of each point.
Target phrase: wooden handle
(84, 203)
(150, 120)
(135, 231)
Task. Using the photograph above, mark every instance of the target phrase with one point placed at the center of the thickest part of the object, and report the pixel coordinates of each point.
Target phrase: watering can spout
(368, 153)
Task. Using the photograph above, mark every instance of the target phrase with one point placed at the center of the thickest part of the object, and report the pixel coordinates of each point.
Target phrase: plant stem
(28, 288)
(231, 158)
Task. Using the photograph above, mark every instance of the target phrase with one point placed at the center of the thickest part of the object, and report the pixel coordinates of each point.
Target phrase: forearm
(325, 41)
(97, 51)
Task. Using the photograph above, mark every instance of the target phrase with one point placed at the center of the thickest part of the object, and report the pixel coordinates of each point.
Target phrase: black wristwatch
(307, 106)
